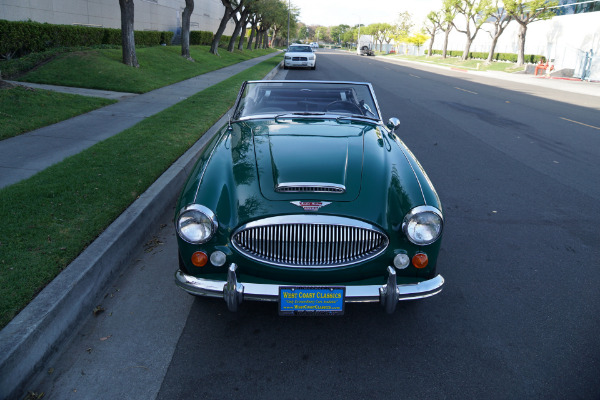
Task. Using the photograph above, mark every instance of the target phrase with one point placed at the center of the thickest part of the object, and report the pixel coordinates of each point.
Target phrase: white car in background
(300, 56)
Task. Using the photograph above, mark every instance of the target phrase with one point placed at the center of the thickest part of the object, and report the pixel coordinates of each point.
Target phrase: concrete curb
(38, 331)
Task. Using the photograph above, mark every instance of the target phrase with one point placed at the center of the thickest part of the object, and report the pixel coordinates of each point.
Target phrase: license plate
(311, 300)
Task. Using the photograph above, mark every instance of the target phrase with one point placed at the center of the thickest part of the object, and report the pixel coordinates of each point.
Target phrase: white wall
(159, 15)
(561, 38)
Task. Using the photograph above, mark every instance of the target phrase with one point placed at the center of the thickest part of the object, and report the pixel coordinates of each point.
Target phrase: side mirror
(393, 124)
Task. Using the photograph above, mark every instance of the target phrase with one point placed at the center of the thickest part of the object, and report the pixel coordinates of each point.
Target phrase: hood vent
(310, 187)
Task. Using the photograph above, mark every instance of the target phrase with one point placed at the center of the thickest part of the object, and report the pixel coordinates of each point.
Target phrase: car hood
(239, 173)
(309, 160)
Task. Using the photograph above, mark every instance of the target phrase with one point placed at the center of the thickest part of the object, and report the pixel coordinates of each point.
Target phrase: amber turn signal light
(199, 259)
(420, 260)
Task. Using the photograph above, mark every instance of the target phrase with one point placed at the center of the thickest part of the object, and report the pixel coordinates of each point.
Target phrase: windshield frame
(237, 113)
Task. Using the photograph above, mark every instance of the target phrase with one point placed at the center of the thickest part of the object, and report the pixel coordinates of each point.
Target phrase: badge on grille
(310, 205)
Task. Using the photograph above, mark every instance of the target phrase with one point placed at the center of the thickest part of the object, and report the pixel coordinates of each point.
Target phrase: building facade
(566, 39)
(153, 15)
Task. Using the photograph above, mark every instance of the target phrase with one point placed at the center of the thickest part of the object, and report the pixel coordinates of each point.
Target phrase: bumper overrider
(235, 292)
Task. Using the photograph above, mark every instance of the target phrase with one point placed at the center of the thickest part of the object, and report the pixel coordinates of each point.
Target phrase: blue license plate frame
(311, 300)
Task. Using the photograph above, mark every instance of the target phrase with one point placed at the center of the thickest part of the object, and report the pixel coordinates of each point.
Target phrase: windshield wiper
(357, 116)
(303, 114)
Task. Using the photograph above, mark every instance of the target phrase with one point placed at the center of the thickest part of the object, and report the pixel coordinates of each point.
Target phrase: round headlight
(196, 224)
(423, 225)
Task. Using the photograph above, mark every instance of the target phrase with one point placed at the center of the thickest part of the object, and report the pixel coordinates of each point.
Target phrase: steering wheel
(343, 105)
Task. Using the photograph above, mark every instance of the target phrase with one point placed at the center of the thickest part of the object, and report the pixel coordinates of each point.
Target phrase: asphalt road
(518, 172)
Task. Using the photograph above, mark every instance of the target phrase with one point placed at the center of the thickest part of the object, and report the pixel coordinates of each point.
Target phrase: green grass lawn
(25, 109)
(159, 66)
(48, 219)
(454, 62)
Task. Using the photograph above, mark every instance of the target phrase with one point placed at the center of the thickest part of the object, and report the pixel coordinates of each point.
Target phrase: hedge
(510, 57)
(23, 37)
(205, 38)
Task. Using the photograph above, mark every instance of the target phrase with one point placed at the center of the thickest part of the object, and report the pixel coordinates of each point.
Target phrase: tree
(402, 27)
(127, 39)
(526, 12)
(403, 24)
(242, 40)
(418, 39)
(254, 21)
(322, 34)
(433, 25)
(500, 21)
(377, 31)
(277, 19)
(185, 29)
(449, 13)
(240, 24)
(389, 32)
(475, 12)
(231, 7)
(350, 36)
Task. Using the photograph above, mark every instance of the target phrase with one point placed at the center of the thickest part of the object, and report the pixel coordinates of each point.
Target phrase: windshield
(300, 49)
(307, 98)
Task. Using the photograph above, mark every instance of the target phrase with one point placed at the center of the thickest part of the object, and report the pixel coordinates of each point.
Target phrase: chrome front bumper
(235, 292)
(300, 64)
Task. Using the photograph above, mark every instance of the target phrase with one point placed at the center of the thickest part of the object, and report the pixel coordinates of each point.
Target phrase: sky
(352, 12)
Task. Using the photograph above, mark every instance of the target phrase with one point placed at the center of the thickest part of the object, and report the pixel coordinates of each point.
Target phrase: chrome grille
(299, 59)
(309, 241)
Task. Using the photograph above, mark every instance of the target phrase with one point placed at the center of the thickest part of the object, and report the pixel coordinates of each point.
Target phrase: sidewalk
(25, 155)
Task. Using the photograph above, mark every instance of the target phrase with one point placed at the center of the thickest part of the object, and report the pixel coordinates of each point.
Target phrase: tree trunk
(465, 55)
(185, 29)
(252, 34)
(490, 56)
(243, 34)
(240, 30)
(263, 39)
(259, 34)
(445, 49)
(214, 47)
(235, 33)
(521, 54)
(431, 45)
(127, 38)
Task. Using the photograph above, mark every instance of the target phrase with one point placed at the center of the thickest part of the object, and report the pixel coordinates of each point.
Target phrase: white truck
(364, 47)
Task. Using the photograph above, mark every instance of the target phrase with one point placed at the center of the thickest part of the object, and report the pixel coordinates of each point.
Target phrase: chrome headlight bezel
(423, 225)
(202, 217)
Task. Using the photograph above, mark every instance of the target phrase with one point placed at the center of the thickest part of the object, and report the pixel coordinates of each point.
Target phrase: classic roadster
(306, 198)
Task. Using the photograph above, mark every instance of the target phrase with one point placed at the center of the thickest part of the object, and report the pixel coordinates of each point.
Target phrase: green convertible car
(307, 199)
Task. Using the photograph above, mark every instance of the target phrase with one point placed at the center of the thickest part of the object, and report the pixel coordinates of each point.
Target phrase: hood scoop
(310, 187)
(325, 164)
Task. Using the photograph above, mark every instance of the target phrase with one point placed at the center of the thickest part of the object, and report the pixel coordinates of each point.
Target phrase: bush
(23, 37)
(509, 57)
(201, 38)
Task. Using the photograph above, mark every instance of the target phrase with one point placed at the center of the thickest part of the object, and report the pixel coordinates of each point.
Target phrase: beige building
(155, 15)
